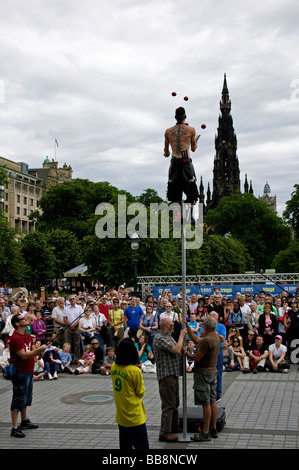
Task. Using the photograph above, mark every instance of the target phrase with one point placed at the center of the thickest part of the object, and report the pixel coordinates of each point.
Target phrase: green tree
(13, 268)
(219, 255)
(291, 213)
(66, 248)
(39, 258)
(251, 221)
(71, 206)
(287, 261)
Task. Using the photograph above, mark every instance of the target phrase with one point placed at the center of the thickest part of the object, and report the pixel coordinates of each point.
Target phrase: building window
(18, 198)
(18, 210)
(25, 200)
(31, 202)
(25, 211)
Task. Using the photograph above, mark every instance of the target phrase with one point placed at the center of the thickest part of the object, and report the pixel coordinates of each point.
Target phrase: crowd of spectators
(83, 331)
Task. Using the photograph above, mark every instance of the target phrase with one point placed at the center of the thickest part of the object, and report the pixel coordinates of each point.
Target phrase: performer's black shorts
(182, 179)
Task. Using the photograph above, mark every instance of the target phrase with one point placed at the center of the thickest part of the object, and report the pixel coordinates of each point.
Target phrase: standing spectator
(193, 303)
(268, 325)
(116, 323)
(72, 314)
(22, 354)
(100, 333)
(149, 324)
(236, 318)
(292, 320)
(169, 367)
(9, 329)
(216, 306)
(104, 307)
(133, 314)
(205, 379)
(58, 319)
(39, 328)
(47, 315)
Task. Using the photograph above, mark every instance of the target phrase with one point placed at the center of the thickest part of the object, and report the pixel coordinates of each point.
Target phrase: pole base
(182, 437)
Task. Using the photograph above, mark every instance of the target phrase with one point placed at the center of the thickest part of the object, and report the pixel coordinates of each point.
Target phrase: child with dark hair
(128, 389)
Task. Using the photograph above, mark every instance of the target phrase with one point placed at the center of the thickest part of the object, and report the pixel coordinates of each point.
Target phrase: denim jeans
(22, 391)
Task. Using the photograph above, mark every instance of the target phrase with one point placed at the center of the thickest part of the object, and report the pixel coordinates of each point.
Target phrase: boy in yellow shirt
(128, 389)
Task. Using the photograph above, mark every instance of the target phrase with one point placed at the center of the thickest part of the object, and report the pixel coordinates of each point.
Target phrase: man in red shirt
(22, 354)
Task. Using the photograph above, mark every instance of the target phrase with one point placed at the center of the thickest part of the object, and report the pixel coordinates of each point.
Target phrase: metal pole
(184, 378)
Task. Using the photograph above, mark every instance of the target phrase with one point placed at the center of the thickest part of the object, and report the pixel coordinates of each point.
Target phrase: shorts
(205, 386)
(22, 391)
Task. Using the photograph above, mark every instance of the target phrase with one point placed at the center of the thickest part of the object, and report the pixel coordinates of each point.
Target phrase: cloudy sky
(98, 77)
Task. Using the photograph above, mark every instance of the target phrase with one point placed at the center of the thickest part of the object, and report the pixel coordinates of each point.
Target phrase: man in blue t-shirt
(133, 314)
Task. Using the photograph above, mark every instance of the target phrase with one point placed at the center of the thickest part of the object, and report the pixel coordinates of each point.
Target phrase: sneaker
(218, 400)
(214, 433)
(50, 377)
(201, 437)
(28, 425)
(16, 432)
(285, 371)
(55, 376)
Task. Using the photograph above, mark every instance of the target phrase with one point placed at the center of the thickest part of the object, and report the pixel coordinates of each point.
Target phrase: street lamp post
(135, 240)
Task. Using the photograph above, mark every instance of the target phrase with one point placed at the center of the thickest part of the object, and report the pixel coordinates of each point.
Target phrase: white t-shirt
(276, 353)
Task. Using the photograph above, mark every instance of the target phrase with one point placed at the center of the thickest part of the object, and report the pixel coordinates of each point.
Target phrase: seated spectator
(256, 359)
(276, 360)
(98, 356)
(66, 359)
(52, 365)
(239, 354)
(228, 358)
(87, 326)
(249, 342)
(145, 354)
(39, 365)
(84, 365)
(232, 334)
(51, 360)
(108, 361)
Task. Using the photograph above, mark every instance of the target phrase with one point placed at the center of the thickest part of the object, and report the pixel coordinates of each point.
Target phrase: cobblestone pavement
(262, 412)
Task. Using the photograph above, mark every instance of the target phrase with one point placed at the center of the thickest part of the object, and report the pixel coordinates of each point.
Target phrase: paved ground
(262, 413)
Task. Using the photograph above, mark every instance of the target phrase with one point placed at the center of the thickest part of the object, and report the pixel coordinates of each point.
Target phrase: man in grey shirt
(169, 367)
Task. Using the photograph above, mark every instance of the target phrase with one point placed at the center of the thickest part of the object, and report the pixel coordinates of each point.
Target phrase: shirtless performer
(181, 176)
